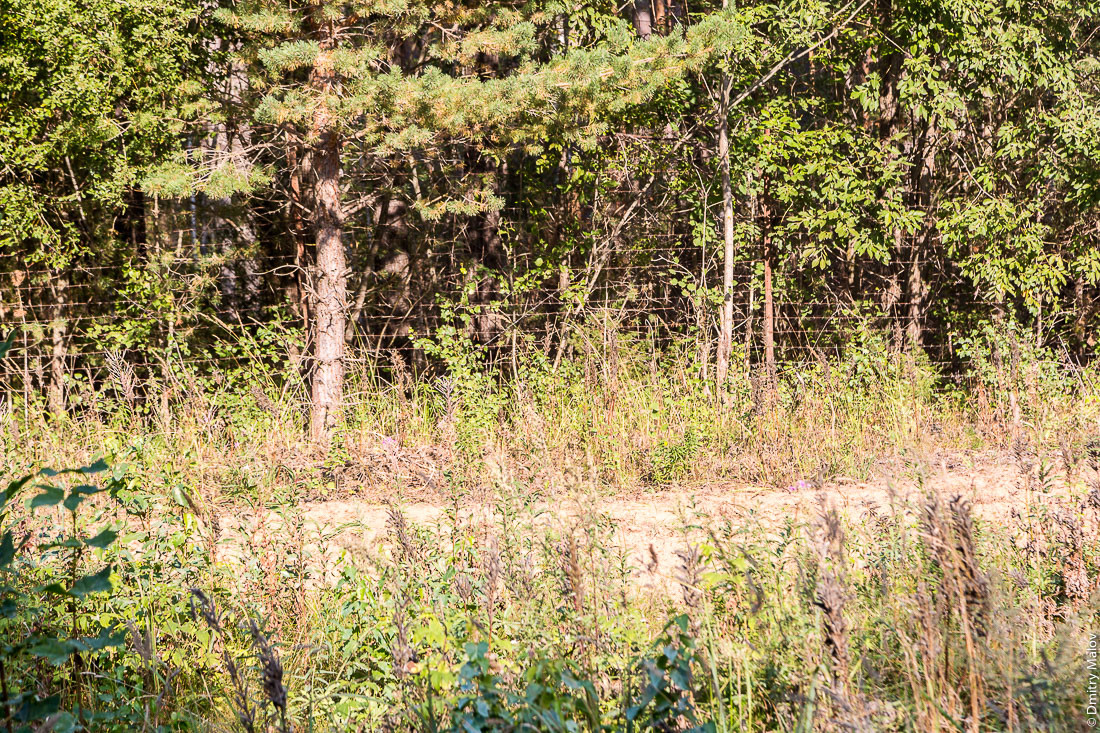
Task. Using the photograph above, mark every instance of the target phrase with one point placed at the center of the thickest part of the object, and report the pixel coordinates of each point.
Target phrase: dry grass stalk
(572, 572)
(463, 587)
(831, 596)
(248, 710)
(202, 606)
(491, 572)
(974, 586)
(1070, 458)
(408, 544)
(271, 673)
(404, 656)
(123, 375)
(1072, 568)
(950, 541)
(690, 577)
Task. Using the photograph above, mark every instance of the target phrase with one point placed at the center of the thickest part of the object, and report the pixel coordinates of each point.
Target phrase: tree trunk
(915, 324)
(301, 287)
(922, 197)
(890, 121)
(725, 333)
(56, 393)
(660, 19)
(748, 326)
(769, 313)
(330, 281)
(643, 18)
(330, 287)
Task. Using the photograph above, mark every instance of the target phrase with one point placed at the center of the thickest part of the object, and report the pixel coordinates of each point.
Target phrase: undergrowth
(176, 585)
(622, 416)
(124, 612)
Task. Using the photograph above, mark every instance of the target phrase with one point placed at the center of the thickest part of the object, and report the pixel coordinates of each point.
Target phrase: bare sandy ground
(643, 523)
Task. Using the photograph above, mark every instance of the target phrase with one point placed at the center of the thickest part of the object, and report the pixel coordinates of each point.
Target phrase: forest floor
(646, 527)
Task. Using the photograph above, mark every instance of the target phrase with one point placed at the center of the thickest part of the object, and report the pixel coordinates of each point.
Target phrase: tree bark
(330, 286)
(725, 331)
(915, 287)
(769, 310)
(56, 392)
(643, 18)
(660, 19)
(925, 168)
(301, 287)
(330, 281)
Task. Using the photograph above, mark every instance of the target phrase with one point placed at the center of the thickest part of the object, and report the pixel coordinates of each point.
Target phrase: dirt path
(644, 523)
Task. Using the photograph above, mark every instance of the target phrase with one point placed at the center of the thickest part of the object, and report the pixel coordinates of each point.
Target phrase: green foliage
(523, 622)
(471, 397)
(840, 189)
(553, 699)
(667, 695)
(1025, 381)
(46, 593)
(671, 461)
(530, 199)
(90, 94)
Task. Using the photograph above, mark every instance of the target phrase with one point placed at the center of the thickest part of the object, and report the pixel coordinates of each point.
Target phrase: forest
(549, 365)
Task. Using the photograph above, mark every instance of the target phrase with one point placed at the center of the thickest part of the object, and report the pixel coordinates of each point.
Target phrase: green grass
(912, 617)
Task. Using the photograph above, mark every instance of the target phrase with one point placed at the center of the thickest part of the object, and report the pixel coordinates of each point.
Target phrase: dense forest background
(192, 188)
(500, 365)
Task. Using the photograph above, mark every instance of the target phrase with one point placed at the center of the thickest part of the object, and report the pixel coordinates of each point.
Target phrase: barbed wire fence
(187, 309)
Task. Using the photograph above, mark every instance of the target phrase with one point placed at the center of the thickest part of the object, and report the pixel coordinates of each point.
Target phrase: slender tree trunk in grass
(915, 288)
(300, 298)
(725, 335)
(330, 281)
(57, 353)
(750, 308)
(769, 311)
(925, 173)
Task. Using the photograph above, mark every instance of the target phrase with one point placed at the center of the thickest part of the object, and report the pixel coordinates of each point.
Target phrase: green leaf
(97, 467)
(6, 344)
(62, 722)
(180, 496)
(78, 494)
(54, 651)
(108, 637)
(32, 709)
(49, 496)
(7, 549)
(13, 488)
(69, 543)
(95, 583)
(103, 539)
